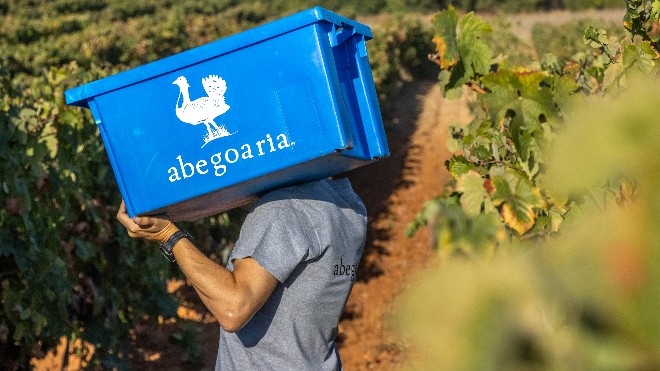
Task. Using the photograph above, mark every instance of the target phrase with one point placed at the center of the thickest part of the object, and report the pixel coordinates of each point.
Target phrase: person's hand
(154, 228)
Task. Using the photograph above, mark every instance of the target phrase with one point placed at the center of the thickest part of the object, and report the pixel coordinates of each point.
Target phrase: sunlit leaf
(556, 218)
(445, 23)
(459, 165)
(519, 100)
(565, 93)
(462, 52)
(475, 53)
(517, 198)
(475, 197)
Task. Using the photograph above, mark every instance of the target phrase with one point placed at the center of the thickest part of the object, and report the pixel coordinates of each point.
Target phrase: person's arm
(232, 297)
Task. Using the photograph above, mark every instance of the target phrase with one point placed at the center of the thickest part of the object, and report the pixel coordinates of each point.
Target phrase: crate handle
(340, 33)
(372, 122)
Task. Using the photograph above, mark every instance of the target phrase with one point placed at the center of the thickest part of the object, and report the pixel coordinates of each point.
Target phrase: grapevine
(499, 193)
(552, 210)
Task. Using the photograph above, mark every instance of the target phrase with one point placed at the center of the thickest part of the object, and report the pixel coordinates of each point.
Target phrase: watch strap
(168, 247)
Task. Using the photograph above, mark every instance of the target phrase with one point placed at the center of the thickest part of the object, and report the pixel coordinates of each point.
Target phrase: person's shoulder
(282, 197)
(304, 195)
(301, 190)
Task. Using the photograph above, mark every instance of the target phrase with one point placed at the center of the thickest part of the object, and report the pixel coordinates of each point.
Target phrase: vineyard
(543, 235)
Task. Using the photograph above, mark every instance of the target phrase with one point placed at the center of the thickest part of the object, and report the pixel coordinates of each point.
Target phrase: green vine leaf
(517, 198)
(445, 40)
(461, 51)
(475, 197)
(459, 165)
(564, 94)
(520, 104)
(637, 56)
(474, 52)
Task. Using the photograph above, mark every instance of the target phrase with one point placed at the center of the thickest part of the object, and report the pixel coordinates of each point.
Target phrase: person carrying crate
(279, 299)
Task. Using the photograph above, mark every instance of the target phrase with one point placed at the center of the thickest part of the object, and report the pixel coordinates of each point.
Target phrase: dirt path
(394, 190)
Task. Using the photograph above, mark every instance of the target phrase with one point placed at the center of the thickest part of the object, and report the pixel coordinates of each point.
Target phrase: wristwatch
(168, 246)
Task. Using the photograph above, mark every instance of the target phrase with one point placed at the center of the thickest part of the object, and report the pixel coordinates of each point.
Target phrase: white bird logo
(203, 110)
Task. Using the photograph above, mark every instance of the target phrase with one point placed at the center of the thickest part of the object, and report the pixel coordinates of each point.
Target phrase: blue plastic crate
(210, 128)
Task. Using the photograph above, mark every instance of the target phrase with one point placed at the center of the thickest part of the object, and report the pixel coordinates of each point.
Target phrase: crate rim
(81, 95)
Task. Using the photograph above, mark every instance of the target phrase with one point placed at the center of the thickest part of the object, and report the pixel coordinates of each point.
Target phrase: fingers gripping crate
(205, 130)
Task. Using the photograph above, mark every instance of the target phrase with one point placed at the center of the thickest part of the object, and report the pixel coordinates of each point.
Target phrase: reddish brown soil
(394, 190)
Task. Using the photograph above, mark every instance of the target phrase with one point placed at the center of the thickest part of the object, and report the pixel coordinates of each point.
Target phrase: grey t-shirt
(310, 237)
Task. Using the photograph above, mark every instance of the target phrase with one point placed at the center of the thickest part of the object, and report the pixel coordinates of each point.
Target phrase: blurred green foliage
(585, 300)
(565, 41)
(398, 52)
(548, 233)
